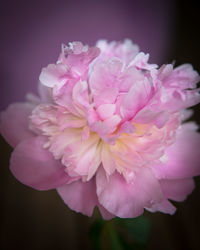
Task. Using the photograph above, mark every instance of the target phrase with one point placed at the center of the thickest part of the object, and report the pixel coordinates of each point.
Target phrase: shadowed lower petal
(127, 199)
(79, 196)
(177, 190)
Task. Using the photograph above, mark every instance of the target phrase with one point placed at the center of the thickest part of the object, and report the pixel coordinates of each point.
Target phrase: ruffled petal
(124, 199)
(105, 77)
(35, 166)
(137, 97)
(14, 123)
(53, 74)
(182, 77)
(126, 50)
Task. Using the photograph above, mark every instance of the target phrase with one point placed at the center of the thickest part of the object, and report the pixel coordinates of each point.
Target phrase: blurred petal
(177, 190)
(183, 156)
(35, 166)
(14, 123)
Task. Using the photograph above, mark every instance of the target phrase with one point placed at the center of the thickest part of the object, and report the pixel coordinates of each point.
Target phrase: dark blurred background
(31, 36)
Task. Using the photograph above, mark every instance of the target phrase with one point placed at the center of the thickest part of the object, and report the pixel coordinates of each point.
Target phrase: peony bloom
(108, 130)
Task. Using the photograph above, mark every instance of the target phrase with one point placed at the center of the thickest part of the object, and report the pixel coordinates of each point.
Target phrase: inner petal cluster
(82, 151)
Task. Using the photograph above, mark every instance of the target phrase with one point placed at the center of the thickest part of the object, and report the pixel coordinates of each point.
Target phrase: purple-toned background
(31, 34)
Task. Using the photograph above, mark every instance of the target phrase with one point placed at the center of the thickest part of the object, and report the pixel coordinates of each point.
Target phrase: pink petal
(130, 76)
(126, 50)
(141, 61)
(183, 77)
(63, 96)
(127, 200)
(107, 159)
(164, 71)
(158, 118)
(165, 207)
(45, 93)
(105, 74)
(136, 99)
(80, 95)
(78, 57)
(79, 196)
(106, 110)
(177, 190)
(104, 213)
(106, 96)
(53, 74)
(112, 122)
(35, 166)
(183, 156)
(175, 99)
(14, 123)
(186, 114)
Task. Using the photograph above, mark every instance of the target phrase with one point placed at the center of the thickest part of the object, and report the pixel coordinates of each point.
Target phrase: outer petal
(45, 93)
(78, 57)
(105, 214)
(141, 61)
(127, 200)
(35, 166)
(177, 189)
(183, 77)
(79, 196)
(175, 99)
(14, 123)
(183, 156)
(165, 207)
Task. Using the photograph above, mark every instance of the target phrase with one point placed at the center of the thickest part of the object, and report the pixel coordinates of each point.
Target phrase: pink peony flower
(108, 130)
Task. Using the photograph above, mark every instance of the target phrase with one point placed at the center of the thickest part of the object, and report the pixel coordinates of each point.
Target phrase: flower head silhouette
(108, 130)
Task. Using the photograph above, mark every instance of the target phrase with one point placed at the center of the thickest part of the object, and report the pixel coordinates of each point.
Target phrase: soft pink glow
(107, 130)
